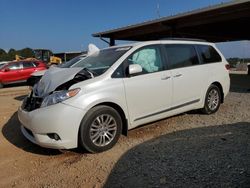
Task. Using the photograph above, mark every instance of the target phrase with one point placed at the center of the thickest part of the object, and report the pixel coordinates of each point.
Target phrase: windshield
(100, 61)
(71, 62)
(2, 65)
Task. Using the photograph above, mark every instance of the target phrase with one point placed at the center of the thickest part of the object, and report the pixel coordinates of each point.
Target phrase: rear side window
(36, 63)
(208, 54)
(181, 55)
(27, 65)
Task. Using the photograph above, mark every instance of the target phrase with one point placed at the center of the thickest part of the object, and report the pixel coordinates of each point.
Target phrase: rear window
(208, 54)
(181, 55)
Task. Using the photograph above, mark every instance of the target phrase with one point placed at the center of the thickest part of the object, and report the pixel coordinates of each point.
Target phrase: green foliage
(2, 52)
(10, 56)
(26, 52)
(3, 55)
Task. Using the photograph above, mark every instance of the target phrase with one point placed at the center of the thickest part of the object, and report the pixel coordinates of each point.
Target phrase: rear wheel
(100, 129)
(212, 100)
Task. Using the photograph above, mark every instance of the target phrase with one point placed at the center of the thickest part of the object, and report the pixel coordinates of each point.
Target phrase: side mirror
(6, 69)
(134, 69)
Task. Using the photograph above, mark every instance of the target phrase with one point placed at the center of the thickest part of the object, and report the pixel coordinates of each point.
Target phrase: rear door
(27, 70)
(188, 75)
(148, 94)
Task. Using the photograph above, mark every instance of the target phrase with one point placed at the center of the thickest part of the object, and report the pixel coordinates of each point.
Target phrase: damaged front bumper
(41, 124)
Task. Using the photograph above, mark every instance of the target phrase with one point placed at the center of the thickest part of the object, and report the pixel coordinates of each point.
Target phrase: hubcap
(213, 99)
(103, 130)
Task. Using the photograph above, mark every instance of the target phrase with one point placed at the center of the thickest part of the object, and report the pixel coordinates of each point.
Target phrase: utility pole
(158, 9)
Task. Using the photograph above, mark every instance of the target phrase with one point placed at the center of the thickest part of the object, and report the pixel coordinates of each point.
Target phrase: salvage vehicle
(19, 71)
(119, 88)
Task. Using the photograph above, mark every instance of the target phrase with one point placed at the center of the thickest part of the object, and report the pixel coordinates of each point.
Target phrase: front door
(148, 94)
(13, 73)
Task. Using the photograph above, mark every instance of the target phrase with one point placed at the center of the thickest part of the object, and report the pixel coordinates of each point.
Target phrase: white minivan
(120, 88)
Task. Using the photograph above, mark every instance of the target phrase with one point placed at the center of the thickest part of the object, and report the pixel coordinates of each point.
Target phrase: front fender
(108, 91)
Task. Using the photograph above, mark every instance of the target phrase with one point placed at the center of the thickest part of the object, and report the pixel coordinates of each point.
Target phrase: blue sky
(64, 25)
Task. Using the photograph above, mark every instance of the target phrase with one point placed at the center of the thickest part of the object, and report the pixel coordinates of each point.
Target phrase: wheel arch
(121, 112)
(218, 84)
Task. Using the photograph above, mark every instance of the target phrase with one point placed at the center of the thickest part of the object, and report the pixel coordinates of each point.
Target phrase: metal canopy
(219, 23)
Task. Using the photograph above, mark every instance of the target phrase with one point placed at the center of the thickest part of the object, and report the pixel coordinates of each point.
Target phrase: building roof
(218, 23)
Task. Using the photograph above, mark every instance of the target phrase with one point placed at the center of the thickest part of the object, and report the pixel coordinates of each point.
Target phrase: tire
(212, 100)
(100, 129)
(1, 85)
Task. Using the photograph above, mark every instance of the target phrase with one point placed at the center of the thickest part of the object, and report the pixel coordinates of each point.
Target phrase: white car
(120, 88)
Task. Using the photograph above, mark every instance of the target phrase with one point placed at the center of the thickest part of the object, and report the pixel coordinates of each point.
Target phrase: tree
(26, 52)
(11, 54)
(3, 55)
(2, 52)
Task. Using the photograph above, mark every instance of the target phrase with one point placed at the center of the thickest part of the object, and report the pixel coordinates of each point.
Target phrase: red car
(19, 71)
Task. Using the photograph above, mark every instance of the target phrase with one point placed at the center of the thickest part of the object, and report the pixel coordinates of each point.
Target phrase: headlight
(59, 96)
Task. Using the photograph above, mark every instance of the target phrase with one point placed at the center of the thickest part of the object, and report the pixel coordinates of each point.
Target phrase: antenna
(158, 9)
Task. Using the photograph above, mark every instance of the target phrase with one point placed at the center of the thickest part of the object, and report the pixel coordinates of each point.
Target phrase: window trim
(28, 67)
(123, 71)
(125, 62)
(168, 61)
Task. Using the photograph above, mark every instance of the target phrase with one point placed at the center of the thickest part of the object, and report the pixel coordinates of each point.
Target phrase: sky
(67, 25)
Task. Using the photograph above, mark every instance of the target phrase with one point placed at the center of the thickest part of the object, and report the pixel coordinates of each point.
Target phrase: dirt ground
(188, 150)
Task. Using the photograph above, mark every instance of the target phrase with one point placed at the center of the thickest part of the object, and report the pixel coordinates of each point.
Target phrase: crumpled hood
(53, 78)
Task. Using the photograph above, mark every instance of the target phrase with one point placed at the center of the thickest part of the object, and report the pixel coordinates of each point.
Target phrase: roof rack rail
(186, 39)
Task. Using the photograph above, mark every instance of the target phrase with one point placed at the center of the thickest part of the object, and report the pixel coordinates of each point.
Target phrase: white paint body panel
(147, 94)
(143, 98)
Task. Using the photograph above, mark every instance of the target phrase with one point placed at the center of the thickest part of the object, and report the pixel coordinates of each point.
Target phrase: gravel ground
(188, 150)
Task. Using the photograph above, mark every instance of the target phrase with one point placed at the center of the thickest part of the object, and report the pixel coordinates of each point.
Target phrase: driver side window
(148, 57)
(14, 66)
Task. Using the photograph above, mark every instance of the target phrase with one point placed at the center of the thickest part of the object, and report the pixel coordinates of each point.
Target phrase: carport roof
(219, 23)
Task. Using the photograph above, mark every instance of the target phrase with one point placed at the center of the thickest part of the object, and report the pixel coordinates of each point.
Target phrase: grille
(32, 103)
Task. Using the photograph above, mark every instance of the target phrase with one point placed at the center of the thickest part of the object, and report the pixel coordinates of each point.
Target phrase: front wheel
(100, 129)
(212, 100)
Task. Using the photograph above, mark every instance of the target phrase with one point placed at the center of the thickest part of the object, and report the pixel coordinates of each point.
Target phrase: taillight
(227, 66)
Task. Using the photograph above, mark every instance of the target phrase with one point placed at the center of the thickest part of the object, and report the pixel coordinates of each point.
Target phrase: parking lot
(188, 150)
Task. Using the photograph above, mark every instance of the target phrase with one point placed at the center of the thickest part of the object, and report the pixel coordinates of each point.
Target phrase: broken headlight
(59, 96)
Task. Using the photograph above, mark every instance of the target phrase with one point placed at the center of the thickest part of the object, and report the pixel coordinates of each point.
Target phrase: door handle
(165, 78)
(177, 75)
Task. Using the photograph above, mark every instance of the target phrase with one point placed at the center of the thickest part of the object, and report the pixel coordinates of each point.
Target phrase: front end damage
(54, 81)
(45, 127)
